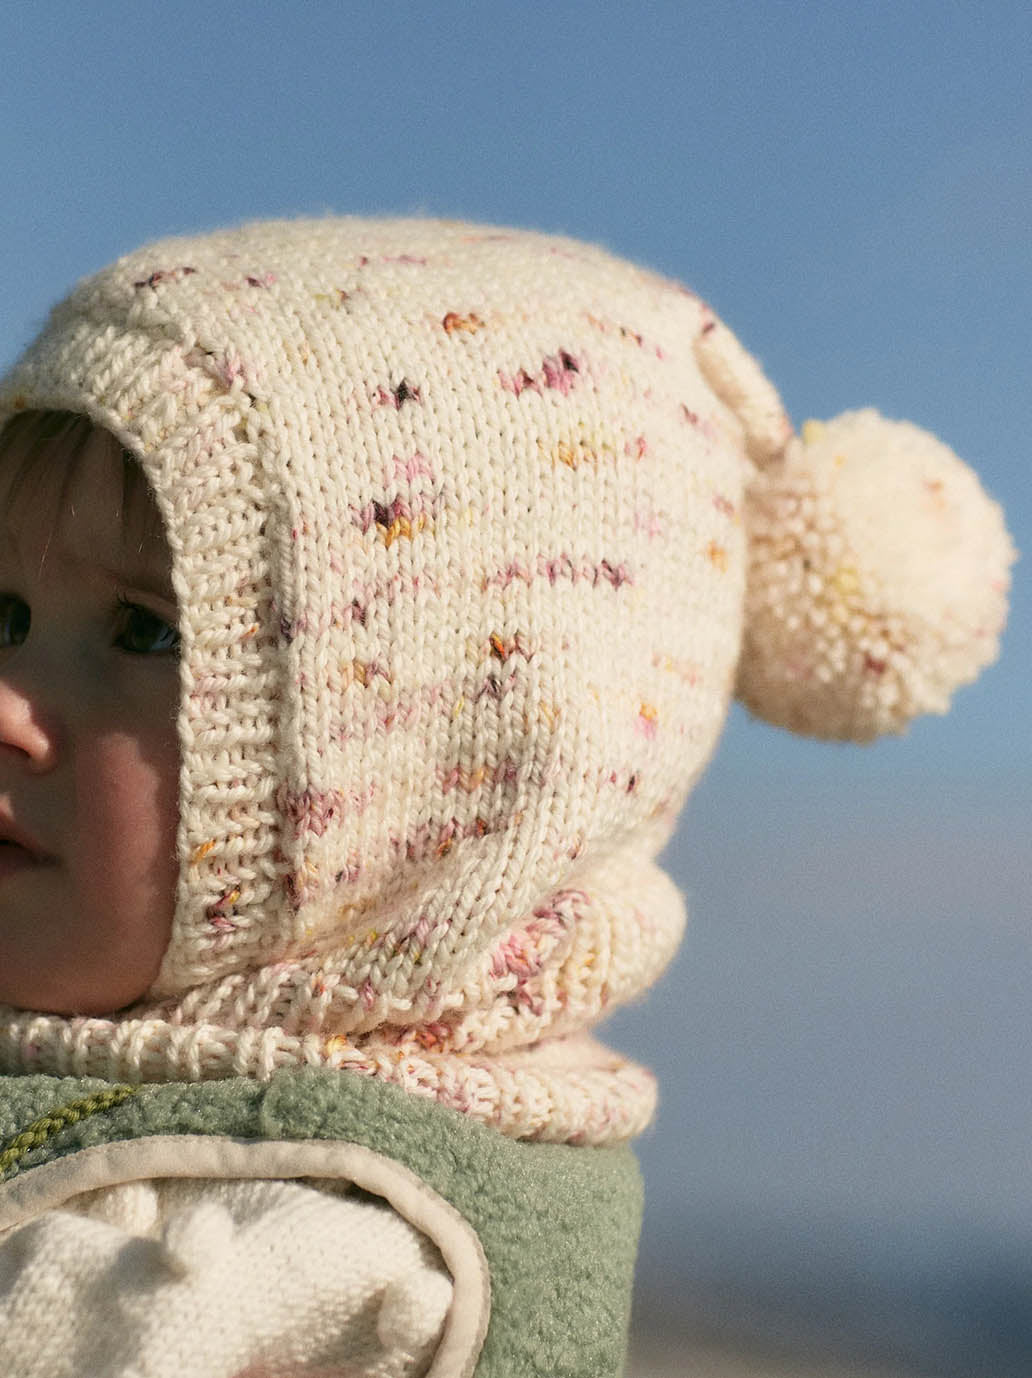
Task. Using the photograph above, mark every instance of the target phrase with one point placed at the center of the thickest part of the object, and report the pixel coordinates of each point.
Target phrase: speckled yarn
(459, 532)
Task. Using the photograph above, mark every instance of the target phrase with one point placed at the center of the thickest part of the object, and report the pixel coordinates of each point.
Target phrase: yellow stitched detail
(39, 1131)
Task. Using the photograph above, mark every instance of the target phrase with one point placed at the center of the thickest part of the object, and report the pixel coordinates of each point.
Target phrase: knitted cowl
(456, 521)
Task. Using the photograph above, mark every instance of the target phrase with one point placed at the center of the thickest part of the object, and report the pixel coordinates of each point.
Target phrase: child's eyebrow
(144, 577)
(135, 570)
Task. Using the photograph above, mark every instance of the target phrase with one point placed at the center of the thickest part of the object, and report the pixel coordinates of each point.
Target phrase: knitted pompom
(878, 578)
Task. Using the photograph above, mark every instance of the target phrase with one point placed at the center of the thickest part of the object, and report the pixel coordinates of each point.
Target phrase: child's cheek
(126, 807)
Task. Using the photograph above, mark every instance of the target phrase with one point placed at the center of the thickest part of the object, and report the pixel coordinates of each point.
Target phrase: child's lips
(17, 849)
(14, 857)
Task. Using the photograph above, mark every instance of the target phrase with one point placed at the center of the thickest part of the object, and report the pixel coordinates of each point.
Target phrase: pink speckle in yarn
(219, 911)
(164, 275)
(558, 372)
(397, 395)
(647, 720)
(560, 567)
(408, 469)
(519, 382)
(650, 523)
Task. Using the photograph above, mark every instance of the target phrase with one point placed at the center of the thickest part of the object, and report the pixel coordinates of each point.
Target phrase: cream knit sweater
(231, 1279)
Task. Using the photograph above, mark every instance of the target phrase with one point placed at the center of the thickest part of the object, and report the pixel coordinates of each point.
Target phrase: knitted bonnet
(474, 534)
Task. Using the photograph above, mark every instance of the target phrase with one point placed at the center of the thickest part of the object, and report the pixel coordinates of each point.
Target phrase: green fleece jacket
(540, 1238)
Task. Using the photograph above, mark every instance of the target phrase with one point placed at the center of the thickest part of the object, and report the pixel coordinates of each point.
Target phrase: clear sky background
(845, 1036)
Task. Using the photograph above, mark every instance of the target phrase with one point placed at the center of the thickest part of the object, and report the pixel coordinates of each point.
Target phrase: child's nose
(24, 730)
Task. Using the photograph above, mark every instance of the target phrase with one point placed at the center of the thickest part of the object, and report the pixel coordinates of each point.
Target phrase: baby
(372, 594)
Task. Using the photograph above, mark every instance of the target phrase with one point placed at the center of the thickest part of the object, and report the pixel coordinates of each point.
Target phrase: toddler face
(89, 694)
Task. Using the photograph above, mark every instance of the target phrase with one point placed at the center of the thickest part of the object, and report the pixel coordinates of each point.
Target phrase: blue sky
(851, 186)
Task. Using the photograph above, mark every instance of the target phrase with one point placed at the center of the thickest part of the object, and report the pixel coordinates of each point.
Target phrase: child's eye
(144, 633)
(15, 617)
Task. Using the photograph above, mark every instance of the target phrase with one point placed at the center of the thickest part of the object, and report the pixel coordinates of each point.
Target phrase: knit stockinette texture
(458, 529)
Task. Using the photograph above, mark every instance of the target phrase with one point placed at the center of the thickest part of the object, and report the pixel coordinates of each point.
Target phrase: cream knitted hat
(459, 520)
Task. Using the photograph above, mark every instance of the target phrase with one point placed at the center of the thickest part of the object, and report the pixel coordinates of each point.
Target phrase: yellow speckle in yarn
(687, 670)
(459, 706)
(454, 323)
(936, 495)
(203, 850)
(548, 712)
(356, 672)
(337, 298)
(401, 526)
(844, 581)
(586, 447)
(717, 555)
(813, 431)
